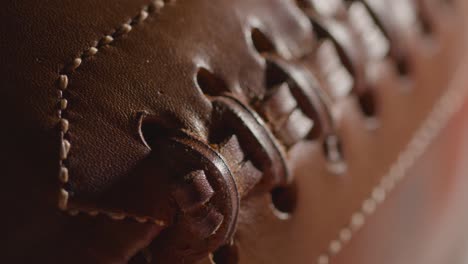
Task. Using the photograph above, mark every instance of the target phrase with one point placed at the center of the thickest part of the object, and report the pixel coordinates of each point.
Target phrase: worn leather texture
(105, 111)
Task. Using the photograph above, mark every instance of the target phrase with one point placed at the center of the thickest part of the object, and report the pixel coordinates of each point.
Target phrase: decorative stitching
(450, 103)
(64, 124)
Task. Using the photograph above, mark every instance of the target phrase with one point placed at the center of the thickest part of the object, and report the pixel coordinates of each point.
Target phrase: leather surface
(152, 71)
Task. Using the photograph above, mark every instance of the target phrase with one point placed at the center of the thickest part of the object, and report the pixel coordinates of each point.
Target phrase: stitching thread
(450, 103)
(439, 116)
(64, 124)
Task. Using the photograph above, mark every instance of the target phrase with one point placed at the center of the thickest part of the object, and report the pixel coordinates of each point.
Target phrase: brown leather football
(234, 131)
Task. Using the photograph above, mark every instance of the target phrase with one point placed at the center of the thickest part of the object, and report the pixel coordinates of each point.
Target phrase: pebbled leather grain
(121, 168)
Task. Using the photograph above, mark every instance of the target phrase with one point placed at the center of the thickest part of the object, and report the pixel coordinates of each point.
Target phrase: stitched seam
(442, 111)
(64, 124)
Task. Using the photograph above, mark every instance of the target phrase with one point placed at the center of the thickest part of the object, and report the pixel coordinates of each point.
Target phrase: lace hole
(368, 104)
(152, 130)
(261, 42)
(274, 75)
(403, 67)
(284, 198)
(227, 254)
(209, 83)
